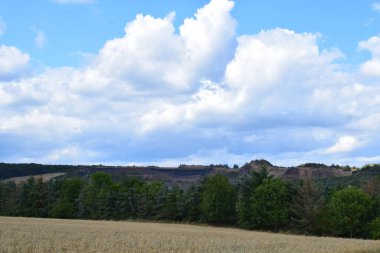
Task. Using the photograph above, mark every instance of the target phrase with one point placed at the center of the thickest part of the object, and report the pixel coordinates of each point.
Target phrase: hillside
(212, 194)
(186, 175)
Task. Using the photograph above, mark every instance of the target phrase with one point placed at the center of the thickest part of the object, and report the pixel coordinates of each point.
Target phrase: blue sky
(168, 82)
(71, 29)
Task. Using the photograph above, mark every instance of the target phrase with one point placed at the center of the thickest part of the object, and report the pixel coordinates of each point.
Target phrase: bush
(375, 228)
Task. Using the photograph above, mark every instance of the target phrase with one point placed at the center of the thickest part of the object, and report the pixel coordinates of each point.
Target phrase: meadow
(56, 235)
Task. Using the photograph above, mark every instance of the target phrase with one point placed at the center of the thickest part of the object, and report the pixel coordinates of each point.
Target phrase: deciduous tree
(218, 200)
(270, 205)
(350, 211)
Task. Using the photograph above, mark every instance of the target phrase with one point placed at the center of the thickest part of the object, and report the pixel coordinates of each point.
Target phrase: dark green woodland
(345, 206)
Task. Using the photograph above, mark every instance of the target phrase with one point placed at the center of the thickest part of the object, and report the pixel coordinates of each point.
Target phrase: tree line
(258, 201)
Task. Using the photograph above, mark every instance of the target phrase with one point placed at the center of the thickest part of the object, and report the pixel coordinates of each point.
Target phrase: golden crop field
(54, 235)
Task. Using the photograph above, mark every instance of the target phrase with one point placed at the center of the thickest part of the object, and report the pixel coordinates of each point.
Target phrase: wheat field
(54, 235)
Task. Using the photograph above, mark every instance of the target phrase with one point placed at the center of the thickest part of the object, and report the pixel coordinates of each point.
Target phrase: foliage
(375, 228)
(270, 205)
(218, 200)
(247, 189)
(191, 200)
(306, 206)
(151, 200)
(371, 167)
(350, 211)
(313, 165)
(256, 201)
(65, 206)
(8, 170)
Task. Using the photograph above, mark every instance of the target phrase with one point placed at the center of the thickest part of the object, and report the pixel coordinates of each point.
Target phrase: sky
(169, 82)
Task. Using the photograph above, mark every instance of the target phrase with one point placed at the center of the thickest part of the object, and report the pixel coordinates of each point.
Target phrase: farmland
(45, 177)
(54, 235)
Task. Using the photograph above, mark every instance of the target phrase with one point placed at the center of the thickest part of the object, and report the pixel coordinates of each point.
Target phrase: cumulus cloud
(169, 96)
(12, 62)
(277, 77)
(371, 68)
(344, 144)
(152, 58)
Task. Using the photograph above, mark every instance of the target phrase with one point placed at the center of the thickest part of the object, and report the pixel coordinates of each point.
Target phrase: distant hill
(9, 170)
(185, 175)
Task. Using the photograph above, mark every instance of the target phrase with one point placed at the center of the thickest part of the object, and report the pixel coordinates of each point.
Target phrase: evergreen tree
(173, 207)
(122, 209)
(42, 198)
(151, 200)
(28, 198)
(307, 206)
(66, 203)
(134, 189)
(191, 204)
(9, 204)
(247, 189)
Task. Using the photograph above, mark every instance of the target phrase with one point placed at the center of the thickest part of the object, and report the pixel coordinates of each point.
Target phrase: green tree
(42, 198)
(247, 187)
(375, 228)
(307, 206)
(33, 197)
(173, 207)
(191, 204)
(372, 189)
(270, 205)
(95, 197)
(66, 204)
(152, 197)
(121, 203)
(350, 210)
(218, 200)
(132, 189)
(10, 199)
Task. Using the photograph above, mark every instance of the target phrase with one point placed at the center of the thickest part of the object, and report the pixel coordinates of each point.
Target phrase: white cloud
(199, 95)
(276, 77)
(152, 58)
(371, 67)
(265, 60)
(74, 1)
(344, 144)
(12, 61)
(3, 26)
(376, 6)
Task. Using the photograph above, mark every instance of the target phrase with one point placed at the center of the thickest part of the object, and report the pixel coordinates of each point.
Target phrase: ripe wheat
(54, 235)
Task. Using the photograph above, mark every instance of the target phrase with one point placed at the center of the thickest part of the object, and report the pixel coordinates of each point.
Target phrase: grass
(54, 235)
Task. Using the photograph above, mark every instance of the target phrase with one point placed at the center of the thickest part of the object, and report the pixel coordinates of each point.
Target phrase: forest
(257, 201)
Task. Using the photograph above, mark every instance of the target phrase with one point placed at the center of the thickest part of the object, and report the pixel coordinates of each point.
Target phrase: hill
(186, 175)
